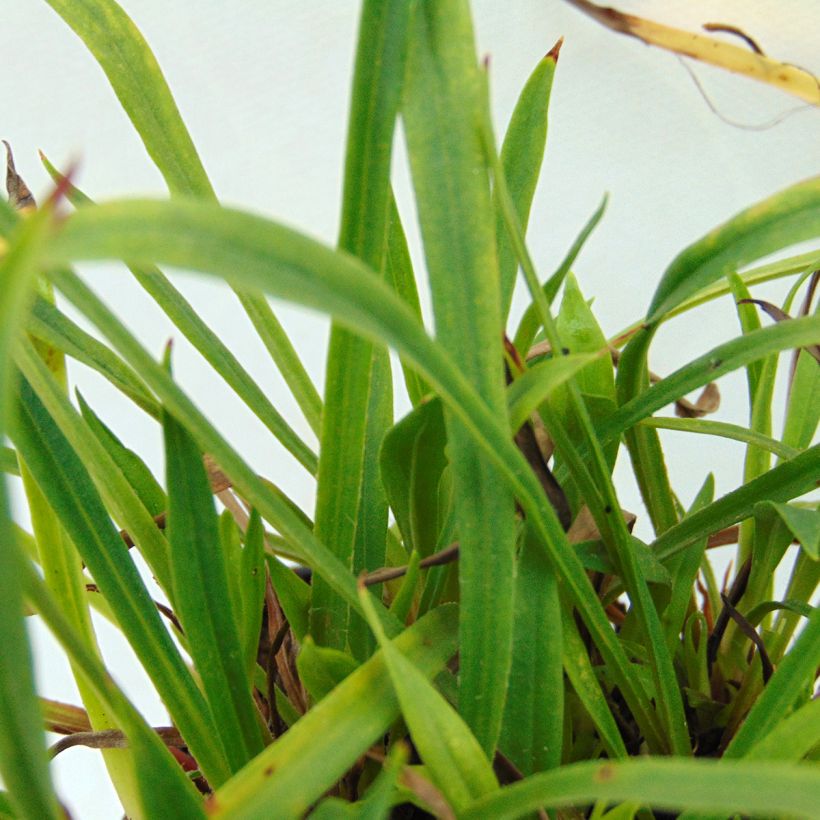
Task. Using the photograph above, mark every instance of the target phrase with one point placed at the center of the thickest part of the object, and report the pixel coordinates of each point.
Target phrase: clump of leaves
(509, 646)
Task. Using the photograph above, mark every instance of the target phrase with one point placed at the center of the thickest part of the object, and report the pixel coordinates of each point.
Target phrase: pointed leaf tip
(553, 53)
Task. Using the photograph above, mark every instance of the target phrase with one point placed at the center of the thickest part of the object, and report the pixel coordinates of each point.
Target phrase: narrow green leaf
(588, 687)
(450, 751)
(65, 483)
(351, 509)
(133, 467)
(299, 767)
(773, 789)
(786, 218)
(684, 570)
(595, 485)
(252, 580)
(781, 220)
(720, 360)
(788, 480)
(290, 523)
(521, 156)
(528, 326)
(533, 727)
(214, 350)
(137, 80)
(50, 325)
(403, 600)
(579, 332)
(724, 430)
(22, 744)
(284, 356)
(442, 107)
(400, 273)
(803, 411)
(749, 320)
(798, 264)
(202, 596)
(120, 497)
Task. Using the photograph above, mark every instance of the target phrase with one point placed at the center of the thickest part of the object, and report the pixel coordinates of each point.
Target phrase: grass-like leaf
(533, 728)
(521, 156)
(22, 743)
(442, 106)
(724, 430)
(202, 597)
(48, 324)
(351, 508)
(774, 789)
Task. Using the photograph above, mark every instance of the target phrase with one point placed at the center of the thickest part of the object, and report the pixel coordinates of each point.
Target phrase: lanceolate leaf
(442, 107)
(351, 509)
(533, 728)
(412, 461)
(202, 596)
(521, 157)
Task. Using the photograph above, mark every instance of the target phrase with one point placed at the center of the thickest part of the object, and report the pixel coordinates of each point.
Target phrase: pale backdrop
(263, 87)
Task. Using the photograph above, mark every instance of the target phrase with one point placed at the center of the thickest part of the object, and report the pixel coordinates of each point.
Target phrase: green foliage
(560, 651)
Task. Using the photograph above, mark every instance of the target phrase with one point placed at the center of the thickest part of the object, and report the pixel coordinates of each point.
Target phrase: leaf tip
(553, 53)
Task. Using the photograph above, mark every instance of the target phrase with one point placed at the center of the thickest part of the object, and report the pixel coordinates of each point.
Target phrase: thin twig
(379, 576)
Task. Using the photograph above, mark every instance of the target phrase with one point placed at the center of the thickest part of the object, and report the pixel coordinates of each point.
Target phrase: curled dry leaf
(749, 62)
(20, 197)
(64, 718)
(111, 739)
(780, 315)
(707, 402)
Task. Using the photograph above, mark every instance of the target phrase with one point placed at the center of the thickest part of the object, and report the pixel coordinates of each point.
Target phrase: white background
(263, 88)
